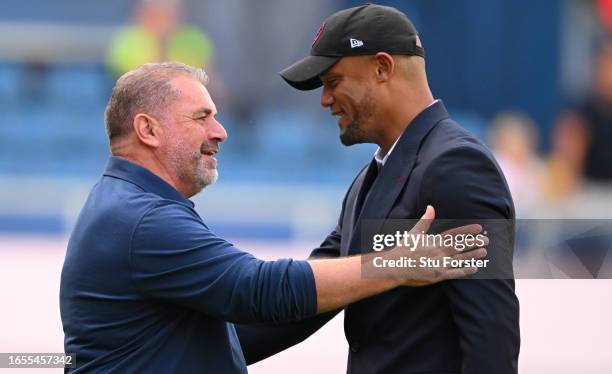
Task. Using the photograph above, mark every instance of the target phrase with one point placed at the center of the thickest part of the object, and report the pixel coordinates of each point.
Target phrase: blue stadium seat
(282, 136)
(76, 87)
(9, 85)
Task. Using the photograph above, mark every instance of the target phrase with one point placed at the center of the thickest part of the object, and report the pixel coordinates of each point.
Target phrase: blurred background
(532, 79)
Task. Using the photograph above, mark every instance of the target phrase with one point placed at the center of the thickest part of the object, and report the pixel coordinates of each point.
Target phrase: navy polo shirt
(147, 287)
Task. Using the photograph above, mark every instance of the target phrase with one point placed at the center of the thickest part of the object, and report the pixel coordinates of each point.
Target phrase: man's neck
(151, 163)
(399, 120)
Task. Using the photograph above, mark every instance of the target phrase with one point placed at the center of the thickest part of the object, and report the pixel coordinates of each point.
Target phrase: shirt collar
(380, 158)
(123, 169)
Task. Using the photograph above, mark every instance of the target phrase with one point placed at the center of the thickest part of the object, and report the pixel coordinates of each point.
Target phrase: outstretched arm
(340, 282)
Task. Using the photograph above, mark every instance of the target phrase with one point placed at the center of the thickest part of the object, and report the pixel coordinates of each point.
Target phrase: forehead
(192, 94)
(346, 66)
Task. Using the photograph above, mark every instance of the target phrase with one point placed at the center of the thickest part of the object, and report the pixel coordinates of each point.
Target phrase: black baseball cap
(358, 31)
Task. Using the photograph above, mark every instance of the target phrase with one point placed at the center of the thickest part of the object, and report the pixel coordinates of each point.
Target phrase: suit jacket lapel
(395, 173)
(349, 218)
(365, 183)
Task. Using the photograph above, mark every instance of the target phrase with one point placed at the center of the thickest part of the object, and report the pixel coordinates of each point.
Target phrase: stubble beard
(191, 167)
(354, 132)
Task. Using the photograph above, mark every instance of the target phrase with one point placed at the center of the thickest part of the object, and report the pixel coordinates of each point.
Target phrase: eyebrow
(203, 111)
(329, 75)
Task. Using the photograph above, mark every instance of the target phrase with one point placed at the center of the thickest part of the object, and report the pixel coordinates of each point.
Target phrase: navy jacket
(461, 326)
(146, 287)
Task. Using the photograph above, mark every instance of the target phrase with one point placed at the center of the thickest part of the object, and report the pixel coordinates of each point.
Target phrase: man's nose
(217, 132)
(326, 97)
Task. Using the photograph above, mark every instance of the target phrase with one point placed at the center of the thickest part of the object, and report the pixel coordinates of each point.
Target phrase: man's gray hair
(146, 89)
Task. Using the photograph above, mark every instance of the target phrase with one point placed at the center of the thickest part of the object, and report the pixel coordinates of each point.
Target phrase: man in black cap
(370, 63)
(147, 287)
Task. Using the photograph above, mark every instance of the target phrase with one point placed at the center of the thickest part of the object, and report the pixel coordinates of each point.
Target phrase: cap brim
(304, 74)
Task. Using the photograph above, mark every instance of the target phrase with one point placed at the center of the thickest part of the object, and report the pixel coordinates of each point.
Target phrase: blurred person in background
(513, 138)
(591, 123)
(147, 287)
(604, 10)
(158, 34)
(581, 155)
(370, 64)
(565, 163)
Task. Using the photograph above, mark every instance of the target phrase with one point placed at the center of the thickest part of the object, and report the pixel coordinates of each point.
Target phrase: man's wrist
(397, 276)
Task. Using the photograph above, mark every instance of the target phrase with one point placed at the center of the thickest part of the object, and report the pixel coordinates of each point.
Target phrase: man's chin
(209, 178)
(352, 134)
(349, 140)
(205, 179)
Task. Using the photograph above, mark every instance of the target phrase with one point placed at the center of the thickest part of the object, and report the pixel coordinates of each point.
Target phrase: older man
(146, 286)
(370, 64)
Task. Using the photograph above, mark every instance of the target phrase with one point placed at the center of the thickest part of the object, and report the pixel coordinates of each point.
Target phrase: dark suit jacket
(460, 326)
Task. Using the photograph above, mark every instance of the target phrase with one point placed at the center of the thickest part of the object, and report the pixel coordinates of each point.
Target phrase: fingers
(459, 272)
(475, 254)
(467, 229)
(485, 239)
(478, 241)
(425, 221)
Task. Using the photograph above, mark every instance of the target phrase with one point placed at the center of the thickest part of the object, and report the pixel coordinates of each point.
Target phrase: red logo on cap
(319, 33)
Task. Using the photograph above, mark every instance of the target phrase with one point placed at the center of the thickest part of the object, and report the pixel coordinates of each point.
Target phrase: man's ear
(147, 129)
(385, 66)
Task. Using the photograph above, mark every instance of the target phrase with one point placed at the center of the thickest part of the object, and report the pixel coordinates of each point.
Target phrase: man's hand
(343, 281)
(436, 254)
